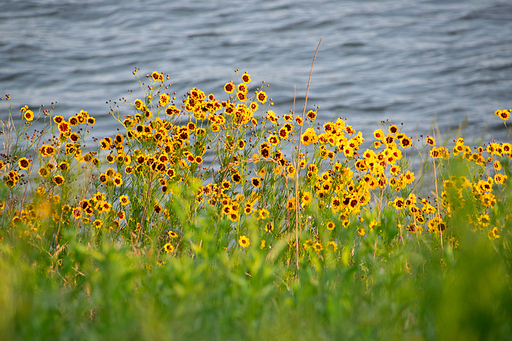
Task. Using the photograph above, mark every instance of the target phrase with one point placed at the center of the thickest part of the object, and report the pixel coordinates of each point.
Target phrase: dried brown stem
(297, 168)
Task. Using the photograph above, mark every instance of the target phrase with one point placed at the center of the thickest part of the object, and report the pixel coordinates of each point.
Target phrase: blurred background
(411, 62)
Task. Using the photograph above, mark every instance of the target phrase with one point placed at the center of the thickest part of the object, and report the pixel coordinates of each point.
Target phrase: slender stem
(435, 184)
(30, 169)
(437, 202)
(147, 203)
(297, 168)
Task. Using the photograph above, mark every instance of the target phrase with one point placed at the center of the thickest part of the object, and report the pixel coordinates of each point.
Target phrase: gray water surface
(407, 61)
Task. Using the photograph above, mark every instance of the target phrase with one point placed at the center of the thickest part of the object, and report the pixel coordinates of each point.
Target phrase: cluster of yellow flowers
(503, 114)
(165, 144)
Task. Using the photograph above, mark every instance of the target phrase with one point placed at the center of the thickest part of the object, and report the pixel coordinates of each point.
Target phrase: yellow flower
(24, 163)
(117, 180)
(41, 191)
(406, 142)
(500, 178)
(398, 203)
(306, 199)
(290, 170)
(330, 226)
(263, 213)
(438, 153)
(372, 225)
(291, 203)
(124, 200)
(164, 100)
(393, 129)
(503, 114)
(64, 127)
(29, 115)
(242, 88)
(157, 76)
(172, 110)
(307, 244)
(242, 96)
(58, 180)
(58, 119)
(77, 212)
(229, 87)
(73, 121)
(318, 247)
(261, 96)
(168, 247)
(333, 245)
(233, 216)
(157, 208)
(121, 215)
(273, 139)
(497, 165)
(63, 166)
(494, 233)
(309, 137)
(246, 78)
(256, 182)
(271, 116)
(378, 134)
(244, 241)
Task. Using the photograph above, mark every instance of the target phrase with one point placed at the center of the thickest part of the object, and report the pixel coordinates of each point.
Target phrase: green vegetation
(219, 219)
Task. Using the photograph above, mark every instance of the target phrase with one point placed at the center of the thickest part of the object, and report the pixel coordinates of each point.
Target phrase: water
(407, 61)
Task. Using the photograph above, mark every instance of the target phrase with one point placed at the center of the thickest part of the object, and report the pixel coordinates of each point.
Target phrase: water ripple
(406, 61)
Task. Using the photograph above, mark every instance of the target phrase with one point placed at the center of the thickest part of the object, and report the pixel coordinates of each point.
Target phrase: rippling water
(406, 61)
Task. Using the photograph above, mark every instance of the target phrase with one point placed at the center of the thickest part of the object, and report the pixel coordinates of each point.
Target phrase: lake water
(407, 61)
